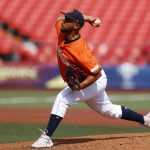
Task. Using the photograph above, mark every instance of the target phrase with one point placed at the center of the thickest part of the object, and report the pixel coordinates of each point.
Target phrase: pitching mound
(136, 141)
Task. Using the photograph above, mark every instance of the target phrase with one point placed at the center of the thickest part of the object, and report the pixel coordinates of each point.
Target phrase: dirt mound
(134, 141)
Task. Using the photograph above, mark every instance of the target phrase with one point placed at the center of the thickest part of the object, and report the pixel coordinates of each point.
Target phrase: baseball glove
(74, 76)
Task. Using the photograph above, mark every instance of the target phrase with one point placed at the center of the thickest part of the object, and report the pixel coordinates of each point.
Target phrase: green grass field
(45, 99)
(13, 132)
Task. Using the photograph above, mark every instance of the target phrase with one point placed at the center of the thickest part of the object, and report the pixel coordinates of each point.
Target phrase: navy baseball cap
(76, 16)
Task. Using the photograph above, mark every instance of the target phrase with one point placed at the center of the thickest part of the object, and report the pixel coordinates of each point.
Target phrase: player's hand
(96, 22)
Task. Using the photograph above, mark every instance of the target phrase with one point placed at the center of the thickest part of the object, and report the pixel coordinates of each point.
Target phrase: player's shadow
(82, 140)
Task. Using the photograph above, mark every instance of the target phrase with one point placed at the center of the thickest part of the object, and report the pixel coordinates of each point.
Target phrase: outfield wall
(125, 76)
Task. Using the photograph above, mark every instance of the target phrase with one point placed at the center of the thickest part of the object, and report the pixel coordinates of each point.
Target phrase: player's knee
(111, 111)
(62, 100)
(60, 106)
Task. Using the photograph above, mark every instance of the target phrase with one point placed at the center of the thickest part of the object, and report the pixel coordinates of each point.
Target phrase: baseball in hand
(97, 22)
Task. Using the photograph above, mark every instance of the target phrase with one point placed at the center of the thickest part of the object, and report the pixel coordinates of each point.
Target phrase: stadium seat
(125, 24)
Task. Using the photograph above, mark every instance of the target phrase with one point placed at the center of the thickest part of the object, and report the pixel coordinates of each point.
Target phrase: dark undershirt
(69, 41)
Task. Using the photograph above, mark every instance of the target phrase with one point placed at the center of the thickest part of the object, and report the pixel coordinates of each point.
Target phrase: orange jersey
(76, 52)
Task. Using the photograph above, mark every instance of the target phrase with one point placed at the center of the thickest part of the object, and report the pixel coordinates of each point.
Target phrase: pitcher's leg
(103, 105)
(68, 97)
(59, 109)
(61, 103)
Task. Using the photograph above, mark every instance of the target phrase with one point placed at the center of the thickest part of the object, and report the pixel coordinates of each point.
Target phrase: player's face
(68, 25)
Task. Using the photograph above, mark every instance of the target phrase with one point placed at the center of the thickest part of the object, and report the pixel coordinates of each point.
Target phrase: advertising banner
(26, 75)
(125, 76)
(128, 76)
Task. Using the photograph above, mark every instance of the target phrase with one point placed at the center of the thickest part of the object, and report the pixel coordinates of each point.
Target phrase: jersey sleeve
(58, 26)
(90, 64)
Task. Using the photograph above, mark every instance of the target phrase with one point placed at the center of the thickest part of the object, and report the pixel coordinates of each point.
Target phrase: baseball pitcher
(85, 77)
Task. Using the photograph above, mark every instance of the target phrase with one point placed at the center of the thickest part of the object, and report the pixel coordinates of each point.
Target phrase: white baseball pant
(94, 96)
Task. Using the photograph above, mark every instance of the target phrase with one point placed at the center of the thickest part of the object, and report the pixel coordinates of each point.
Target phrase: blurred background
(28, 41)
(28, 64)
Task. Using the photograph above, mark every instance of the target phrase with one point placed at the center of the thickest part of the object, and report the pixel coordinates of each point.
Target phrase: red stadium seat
(125, 24)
